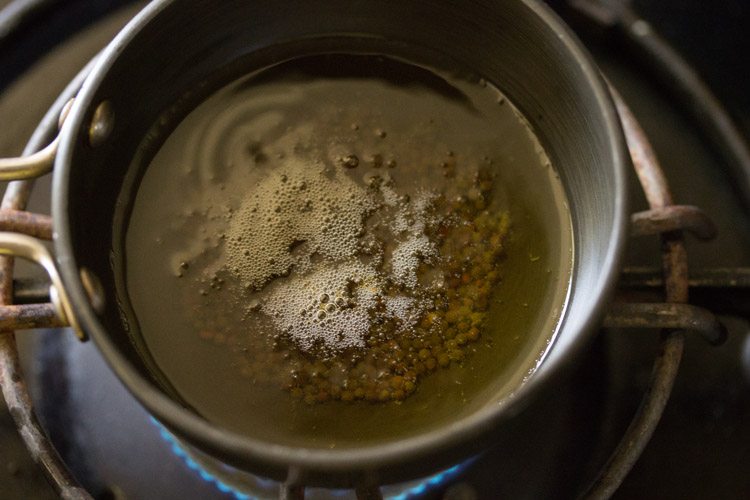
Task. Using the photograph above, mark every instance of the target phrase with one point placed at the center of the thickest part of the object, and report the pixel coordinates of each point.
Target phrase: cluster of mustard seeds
(390, 367)
(399, 349)
(471, 245)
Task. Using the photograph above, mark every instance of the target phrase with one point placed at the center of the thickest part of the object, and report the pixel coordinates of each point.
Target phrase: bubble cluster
(329, 307)
(407, 309)
(293, 214)
(407, 256)
(410, 224)
(300, 243)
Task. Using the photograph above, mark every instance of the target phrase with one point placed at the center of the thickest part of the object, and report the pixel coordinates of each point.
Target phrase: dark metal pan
(176, 45)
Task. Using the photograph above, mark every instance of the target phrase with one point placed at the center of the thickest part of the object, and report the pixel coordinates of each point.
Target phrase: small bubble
(391, 164)
(350, 161)
(321, 315)
(323, 298)
(381, 133)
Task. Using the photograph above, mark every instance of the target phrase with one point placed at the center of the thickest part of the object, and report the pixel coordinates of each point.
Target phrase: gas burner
(244, 486)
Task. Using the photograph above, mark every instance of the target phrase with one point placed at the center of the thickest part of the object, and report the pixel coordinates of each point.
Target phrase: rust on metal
(26, 316)
(667, 363)
(674, 316)
(673, 218)
(20, 407)
(13, 386)
(718, 277)
(621, 24)
(650, 175)
(37, 225)
(674, 258)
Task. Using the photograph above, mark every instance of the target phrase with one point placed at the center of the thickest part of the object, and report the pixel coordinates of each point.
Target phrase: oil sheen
(344, 249)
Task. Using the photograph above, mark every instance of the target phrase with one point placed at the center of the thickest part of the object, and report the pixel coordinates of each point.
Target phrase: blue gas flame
(425, 486)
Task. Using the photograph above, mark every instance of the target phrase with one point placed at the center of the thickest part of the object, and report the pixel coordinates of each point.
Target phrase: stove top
(701, 448)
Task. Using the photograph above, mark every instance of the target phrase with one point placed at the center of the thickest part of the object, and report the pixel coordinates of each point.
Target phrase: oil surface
(276, 184)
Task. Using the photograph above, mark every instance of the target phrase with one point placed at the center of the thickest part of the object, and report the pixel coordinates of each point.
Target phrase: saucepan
(174, 46)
